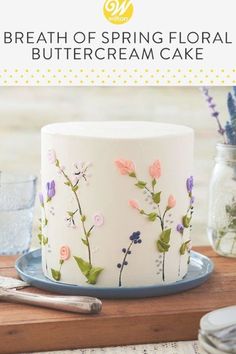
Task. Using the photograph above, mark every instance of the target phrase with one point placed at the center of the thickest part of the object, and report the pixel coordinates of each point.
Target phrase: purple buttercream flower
(51, 190)
(180, 228)
(189, 184)
(41, 198)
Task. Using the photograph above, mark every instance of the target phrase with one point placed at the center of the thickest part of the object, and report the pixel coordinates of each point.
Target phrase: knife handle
(78, 304)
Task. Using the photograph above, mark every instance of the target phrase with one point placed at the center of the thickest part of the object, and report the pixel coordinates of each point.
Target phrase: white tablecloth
(163, 348)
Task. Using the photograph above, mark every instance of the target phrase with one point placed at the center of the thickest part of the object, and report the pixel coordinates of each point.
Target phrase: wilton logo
(118, 12)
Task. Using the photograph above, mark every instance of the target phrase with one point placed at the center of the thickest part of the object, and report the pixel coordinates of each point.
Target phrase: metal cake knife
(78, 304)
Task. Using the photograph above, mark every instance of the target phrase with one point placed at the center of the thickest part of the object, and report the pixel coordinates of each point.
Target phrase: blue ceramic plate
(29, 269)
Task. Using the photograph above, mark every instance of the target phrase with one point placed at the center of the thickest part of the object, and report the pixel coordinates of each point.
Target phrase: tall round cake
(117, 203)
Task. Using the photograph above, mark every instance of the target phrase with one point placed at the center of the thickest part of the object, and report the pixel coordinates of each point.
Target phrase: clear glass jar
(222, 208)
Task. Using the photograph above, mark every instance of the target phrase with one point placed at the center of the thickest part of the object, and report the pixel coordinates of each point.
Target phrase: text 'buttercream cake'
(117, 203)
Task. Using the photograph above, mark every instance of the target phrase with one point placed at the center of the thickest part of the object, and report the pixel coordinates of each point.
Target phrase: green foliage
(231, 215)
(154, 182)
(184, 247)
(45, 241)
(85, 242)
(186, 221)
(165, 236)
(156, 198)
(141, 184)
(40, 238)
(164, 240)
(83, 218)
(132, 174)
(90, 272)
(162, 246)
(93, 275)
(74, 189)
(56, 274)
(152, 216)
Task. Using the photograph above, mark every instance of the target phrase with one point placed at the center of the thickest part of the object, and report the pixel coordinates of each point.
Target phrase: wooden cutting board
(171, 318)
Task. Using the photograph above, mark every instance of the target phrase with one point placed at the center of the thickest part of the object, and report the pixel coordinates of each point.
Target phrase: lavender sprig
(231, 125)
(230, 133)
(214, 113)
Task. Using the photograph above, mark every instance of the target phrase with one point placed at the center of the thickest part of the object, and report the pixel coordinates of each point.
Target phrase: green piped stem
(86, 234)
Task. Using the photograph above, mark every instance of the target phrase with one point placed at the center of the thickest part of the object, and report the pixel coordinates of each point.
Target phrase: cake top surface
(116, 129)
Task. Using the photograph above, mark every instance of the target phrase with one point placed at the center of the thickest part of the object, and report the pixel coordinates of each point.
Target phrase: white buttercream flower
(81, 171)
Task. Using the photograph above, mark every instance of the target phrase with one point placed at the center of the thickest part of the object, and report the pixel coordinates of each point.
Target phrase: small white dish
(218, 319)
(207, 346)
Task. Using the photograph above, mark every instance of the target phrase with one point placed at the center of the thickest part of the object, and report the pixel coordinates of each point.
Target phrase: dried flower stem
(214, 113)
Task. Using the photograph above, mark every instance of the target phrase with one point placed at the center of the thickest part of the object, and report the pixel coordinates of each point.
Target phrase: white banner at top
(118, 42)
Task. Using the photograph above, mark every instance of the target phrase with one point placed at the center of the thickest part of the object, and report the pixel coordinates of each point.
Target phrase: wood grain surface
(170, 318)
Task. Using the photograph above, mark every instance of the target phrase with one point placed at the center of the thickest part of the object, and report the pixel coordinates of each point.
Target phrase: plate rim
(115, 291)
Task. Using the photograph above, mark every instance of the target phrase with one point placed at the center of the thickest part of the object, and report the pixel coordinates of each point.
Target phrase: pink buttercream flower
(52, 156)
(98, 219)
(64, 253)
(126, 167)
(134, 204)
(155, 170)
(171, 202)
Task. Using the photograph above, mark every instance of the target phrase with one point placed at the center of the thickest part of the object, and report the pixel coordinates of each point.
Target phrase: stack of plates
(217, 334)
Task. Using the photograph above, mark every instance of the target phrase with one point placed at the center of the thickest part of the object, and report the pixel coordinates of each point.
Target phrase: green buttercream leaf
(162, 246)
(132, 174)
(40, 238)
(184, 248)
(152, 216)
(141, 184)
(91, 273)
(83, 218)
(67, 184)
(45, 241)
(85, 242)
(57, 163)
(84, 266)
(56, 274)
(156, 198)
(165, 236)
(74, 189)
(186, 221)
(154, 182)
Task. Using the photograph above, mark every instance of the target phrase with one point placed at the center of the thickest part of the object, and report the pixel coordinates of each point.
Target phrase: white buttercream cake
(117, 203)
